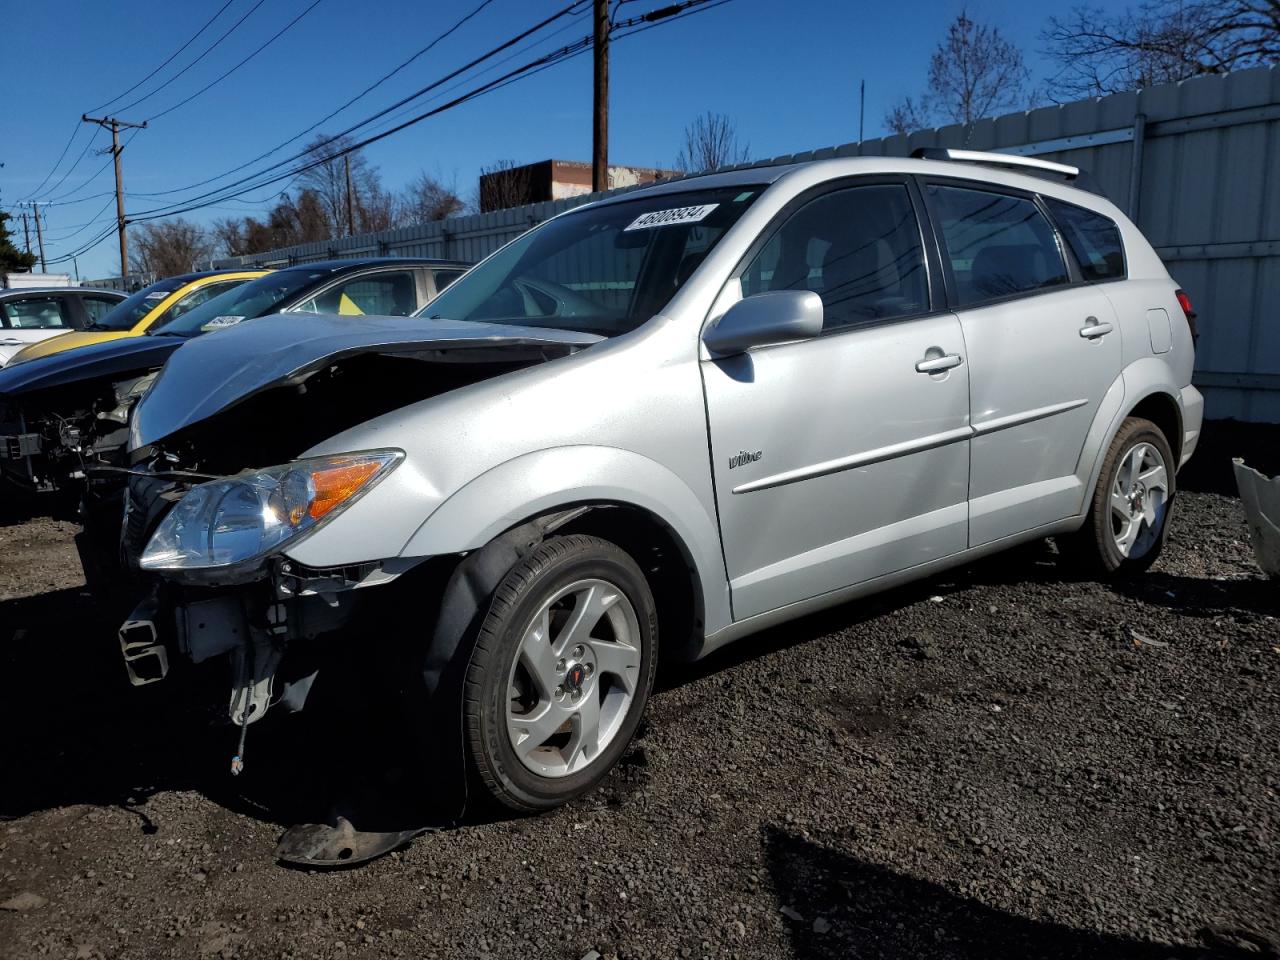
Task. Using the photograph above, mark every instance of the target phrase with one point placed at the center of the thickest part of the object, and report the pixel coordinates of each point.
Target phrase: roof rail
(1026, 164)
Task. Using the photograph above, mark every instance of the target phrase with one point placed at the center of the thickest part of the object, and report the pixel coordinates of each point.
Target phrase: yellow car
(149, 309)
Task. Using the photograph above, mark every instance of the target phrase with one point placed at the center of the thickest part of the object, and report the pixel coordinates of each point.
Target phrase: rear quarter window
(1093, 238)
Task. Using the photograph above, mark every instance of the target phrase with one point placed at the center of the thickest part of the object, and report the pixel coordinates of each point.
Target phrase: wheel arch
(1144, 389)
(613, 493)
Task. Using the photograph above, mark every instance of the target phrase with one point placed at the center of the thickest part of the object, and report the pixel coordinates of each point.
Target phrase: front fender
(545, 480)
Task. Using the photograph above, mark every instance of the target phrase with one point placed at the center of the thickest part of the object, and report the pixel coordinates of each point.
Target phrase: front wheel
(1128, 518)
(561, 672)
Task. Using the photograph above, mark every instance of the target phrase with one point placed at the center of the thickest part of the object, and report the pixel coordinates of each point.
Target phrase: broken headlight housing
(229, 522)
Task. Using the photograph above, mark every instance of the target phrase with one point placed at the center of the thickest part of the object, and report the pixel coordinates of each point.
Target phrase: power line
(298, 136)
(283, 30)
(641, 23)
(235, 26)
(54, 168)
(314, 149)
(168, 60)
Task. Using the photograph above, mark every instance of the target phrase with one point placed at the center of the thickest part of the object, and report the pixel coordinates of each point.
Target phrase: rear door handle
(938, 364)
(1092, 329)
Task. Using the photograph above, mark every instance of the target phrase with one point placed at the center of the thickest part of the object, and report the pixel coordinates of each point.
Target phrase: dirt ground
(999, 763)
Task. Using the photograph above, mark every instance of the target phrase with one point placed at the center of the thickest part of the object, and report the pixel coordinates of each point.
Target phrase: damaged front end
(52, 438)
(207, 530)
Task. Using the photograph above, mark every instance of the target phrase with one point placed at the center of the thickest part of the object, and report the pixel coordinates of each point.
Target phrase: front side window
(133, 308)
(244, 302)
(999, 245)
(391, 293)
(194, 299)
(604, 269)
(859, 249)
(98, 307)
(37, 313)
(1093, 238)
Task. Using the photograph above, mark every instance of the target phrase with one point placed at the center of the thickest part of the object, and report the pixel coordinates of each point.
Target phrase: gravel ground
(999, 763)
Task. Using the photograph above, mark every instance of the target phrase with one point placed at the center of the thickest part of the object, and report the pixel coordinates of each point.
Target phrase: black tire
(557, 563)
(1093, 548)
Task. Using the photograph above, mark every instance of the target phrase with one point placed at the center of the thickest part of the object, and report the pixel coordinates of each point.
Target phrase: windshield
(126, 314)
(603, 270)
(253, 299)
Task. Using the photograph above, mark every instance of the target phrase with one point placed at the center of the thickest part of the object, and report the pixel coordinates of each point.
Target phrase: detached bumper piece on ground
(1261, 498)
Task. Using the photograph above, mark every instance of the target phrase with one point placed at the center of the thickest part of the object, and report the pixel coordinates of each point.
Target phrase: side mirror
(773, 317)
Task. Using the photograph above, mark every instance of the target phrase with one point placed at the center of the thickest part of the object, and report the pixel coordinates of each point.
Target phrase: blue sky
(786, 71)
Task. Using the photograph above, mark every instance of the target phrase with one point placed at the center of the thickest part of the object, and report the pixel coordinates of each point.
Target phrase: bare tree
(973, 73)
(328, 180)
(289, 222)
(169, 247)
(1101, 50)
(711, 142)
(503, 185)
(427, 199)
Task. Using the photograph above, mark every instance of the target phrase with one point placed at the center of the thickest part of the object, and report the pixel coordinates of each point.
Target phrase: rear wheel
(1128, 518)
(561, 672)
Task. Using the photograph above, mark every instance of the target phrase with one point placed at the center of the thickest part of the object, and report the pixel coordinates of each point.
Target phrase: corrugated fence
(1196, 164)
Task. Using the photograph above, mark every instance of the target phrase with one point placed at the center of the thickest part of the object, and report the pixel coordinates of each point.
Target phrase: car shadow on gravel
(1198, 597)
(1032, 563)
(838, 906)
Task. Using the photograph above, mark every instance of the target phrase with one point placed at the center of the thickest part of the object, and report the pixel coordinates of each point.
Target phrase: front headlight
(227, 522)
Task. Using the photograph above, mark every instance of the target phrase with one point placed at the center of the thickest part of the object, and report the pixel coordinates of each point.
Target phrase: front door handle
(1092, 329)
(13, 343)
(938, 364)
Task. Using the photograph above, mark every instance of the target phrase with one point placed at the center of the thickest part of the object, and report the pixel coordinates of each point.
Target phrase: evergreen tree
(12, 260)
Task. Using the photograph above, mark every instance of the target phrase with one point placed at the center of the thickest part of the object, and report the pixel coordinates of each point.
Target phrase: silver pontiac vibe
(683, 413)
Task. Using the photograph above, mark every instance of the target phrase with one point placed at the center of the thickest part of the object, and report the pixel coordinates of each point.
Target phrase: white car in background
(30, 315)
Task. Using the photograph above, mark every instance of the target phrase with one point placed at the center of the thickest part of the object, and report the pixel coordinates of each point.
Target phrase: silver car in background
(687, 412)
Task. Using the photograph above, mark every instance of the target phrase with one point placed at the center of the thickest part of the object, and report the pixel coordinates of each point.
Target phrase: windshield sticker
(219, 322)
(667, 218)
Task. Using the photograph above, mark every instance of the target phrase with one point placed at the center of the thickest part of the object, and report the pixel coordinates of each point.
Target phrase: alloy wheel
(1139, 500)
(573, 679)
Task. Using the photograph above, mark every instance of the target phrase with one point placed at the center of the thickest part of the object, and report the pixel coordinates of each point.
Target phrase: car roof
(42, 291)
(361, 263)
(833, 167)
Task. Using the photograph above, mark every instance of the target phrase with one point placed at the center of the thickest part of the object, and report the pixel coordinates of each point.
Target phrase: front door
(845, 457)
(1043, 351)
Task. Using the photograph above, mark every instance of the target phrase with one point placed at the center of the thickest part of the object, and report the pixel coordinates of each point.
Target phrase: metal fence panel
(1206, 188)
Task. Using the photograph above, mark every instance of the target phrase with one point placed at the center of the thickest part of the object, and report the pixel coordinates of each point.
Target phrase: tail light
(1184, 301)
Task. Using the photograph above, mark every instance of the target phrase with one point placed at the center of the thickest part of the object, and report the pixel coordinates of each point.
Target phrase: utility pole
(862, 107)
(351, 219)
(35, 208)
(115, 125)
(600, 111)
(26, 232)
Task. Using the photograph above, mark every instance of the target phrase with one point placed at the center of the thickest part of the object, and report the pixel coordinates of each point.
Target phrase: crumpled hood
(214, 372)
(107, 360)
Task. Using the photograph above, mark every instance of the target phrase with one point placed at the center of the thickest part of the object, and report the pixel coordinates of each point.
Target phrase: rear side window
(859, 249)
(1094, 239)
(999, 245)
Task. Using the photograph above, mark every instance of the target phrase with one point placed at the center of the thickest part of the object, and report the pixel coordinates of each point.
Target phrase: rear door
(837, 460)
(1043, 347)
(30, 319)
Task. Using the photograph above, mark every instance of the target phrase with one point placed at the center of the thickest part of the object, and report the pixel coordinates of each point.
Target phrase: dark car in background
(30, 315)
(65, 415)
